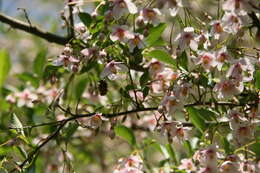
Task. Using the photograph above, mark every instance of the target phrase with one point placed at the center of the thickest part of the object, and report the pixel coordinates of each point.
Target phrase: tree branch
(32, 29)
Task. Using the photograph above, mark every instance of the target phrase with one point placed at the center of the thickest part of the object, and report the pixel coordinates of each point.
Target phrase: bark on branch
(32, 29)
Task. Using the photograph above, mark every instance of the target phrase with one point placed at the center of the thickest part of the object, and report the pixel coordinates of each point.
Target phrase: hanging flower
(232, 23)
(120, 33)
(120, 7)
(222, 57)
(150, 15)
(187, 39)
(206, 60)
(136, 42)
(228, 88)
(111, 69)
(217, 28)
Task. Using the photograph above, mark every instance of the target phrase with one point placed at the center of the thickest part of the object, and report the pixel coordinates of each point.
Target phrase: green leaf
(28, 77)
(171, 153)
(5, 66)
(207, 115)
(256, 148)
(183, 60)
(188, 147)
(70, 130)
(16, 123)
(126, 133)
(162, 56)
(85, 18)
(155, 34)
(39, 63)
(196, 119)
(257, 79)
(144, 78)
(81, 83)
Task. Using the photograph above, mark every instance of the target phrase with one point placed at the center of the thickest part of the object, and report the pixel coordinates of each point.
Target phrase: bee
(102, 87)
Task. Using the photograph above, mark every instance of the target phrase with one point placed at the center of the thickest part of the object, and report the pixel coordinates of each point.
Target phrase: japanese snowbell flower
(222, 57)
(111, 69)
(229, 167)
(187, 39)
(172, 104)
(120, 33)
(232, 23)
(206, 60)
(120, 7)
(239, 6)
(216, 28)
(150, 15)
(241, 70)
(187, 165)
(227, 88)
(131, 164)
(172, 5)
(26, 98)
(136, 41)
(96, 120)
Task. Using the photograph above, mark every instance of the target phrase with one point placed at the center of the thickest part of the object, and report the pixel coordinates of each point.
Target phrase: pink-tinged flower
(136, 41)
(241, 70)
(96, 120)
(207, 158)
(120, 33)
(228, 88)
(171, 104)
(90, 52)
(131, 164)
(208, 169)
(150, 15)
(112, 68)
(187, 39)
(26, 98)
(222, 57)
(249, 167)
(187, 165)
(229, 167)
(238, 6)
(120, 7)
(206, 60)
(203, 39)
(232, 23)
(244, 133)
(11, 98)
(155, 67)
(217, 28)
(182, 91)
(80, 28)
(64, 60)
(235, 119)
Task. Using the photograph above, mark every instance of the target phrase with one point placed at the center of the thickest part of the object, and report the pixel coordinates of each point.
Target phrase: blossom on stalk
(222, 57)
(228, 88)
(232, 23)
(172, 5)
(187, 165)
(187, 39)
(150, 15)
(111, 69)
(229, 167)
(96, 120)
(171, 104)
(217, 28)
(206, 60)
(131, 164)
(120, 7)
(120, 33)
(136, 42)
(238, 6)
(241, 70)
(26, 98)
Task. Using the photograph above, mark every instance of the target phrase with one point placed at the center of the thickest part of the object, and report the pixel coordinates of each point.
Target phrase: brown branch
(32, 29)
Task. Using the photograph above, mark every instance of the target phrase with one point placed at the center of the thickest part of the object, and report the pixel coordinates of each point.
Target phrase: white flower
(232, 23)
(120, 33)
(187, 165)
(136, 41)
(150, 15)
(172, 104)
(112, 68)
(216, 29)
(239, 6)
(120, 7)
(187, 39)
(228, 88)
(206, 60)
(26, 98)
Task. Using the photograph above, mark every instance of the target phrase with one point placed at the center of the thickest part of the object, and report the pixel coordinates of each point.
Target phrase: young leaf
(126, 133)
(162, 56)
(16, 123)
(183, 60)
(257, 79)
(171, 153)
(39, 63)
(155, 34)
(5, 66)
(85, 18)
(196, 119)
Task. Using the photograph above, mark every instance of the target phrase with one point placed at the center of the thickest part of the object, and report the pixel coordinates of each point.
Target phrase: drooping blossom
(120, 33)
(216, 28)
(239, 6)
(187, 39)
(174, 129)
(228, 88)
(222, 57)
(172, 5)
(96, 120)
(150, 15)
(232, 23)
(206, 60)
(121, 7)
(26, 98)
(112, 68)
(155, 67)
(89, 53)
(187, 165)
(241, 70)
(203, 39)
(136, 42)
(229, 167)
(171, 104)
(131, 164)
